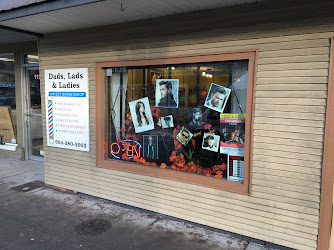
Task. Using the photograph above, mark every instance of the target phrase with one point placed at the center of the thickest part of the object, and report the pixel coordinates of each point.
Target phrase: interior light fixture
(207, 74)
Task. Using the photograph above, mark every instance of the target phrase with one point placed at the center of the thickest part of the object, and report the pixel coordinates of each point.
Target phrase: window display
(186, 117)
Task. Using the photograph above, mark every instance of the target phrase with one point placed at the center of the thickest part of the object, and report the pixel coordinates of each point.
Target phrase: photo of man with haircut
(150, 147)
(217, 97)
(184, 136)
(210, 142)
(167, 121)
(167, 93)
(195, 117)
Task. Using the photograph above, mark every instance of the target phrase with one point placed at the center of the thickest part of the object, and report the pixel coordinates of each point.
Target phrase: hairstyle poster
(184, 136)
(195, 117)
(141, 115)
(232, 128)
(150, 147)
(167, 93)
(167, 121)
(211, 142)
(217, 97)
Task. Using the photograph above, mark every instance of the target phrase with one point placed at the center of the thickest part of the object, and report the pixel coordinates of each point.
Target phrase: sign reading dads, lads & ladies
(67, 108)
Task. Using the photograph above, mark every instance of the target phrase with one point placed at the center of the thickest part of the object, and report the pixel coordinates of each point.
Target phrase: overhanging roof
(42, 17)
(13, 4)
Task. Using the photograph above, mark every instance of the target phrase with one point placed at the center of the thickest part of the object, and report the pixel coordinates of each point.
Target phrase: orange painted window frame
(242, 188)
(327, 176)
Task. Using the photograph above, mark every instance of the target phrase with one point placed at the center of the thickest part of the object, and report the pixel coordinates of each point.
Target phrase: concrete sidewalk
(47, 219)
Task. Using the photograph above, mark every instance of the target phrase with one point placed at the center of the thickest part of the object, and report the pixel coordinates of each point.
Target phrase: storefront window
(7, 81)
(181, 117)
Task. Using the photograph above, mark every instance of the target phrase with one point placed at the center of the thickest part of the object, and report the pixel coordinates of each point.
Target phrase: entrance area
(33, 115)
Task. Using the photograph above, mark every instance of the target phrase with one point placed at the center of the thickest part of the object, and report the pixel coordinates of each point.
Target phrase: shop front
(20, 101)
(221, 117)
(224, 131)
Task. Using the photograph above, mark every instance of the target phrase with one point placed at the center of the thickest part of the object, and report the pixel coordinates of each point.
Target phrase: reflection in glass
(7, 81)
(36, 135)
(35, 90)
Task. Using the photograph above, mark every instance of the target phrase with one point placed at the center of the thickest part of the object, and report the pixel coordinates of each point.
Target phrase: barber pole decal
(50, 116)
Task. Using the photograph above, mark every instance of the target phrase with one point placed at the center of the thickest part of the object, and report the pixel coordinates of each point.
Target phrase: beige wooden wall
(292, 75)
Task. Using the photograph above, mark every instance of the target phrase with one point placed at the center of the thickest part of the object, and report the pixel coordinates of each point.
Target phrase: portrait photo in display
(141, 115)
(211, 142)
(217, 97)
(167, 121)
(150, 147)
(167, 93)
(184, 136)
(195, 117)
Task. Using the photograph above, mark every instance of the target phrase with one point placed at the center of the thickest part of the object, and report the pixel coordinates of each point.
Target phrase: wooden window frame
(222, 184)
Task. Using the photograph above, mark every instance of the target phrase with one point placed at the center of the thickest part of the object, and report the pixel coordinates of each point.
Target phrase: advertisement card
(67, 105)
(235, 168)
(232, 128)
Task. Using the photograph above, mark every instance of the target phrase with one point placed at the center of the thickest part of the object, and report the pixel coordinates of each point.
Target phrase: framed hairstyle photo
(184, 136)
(150, 147)
(167, 93)
(195, 117)
(141, 115)
(211, 142)
(167, 121)
(217, 97)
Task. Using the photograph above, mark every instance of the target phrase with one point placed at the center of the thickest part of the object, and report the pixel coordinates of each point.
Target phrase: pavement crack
(152, 223)
(246, 246)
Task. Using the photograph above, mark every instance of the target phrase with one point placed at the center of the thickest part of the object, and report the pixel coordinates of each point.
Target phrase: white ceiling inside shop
(110, 12)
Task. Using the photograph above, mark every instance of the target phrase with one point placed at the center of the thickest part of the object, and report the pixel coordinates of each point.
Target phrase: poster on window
(141, 115)
(167, 93)
(235, 168)
(167, 121)
(232, 128)
(210, 142)
(67, 106)
(217, 97)
(150, 147)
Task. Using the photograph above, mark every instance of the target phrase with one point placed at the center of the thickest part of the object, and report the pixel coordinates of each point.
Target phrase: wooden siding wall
(290, 100)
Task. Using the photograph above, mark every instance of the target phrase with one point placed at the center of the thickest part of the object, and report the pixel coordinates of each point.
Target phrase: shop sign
(130, 148)
(67, 106)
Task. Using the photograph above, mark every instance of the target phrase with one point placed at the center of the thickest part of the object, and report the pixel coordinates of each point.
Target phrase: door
(33, 115)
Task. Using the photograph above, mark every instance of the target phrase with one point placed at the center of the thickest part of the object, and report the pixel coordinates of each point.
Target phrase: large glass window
(181, 117)
(7, 98)
(7, 81)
